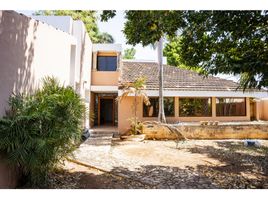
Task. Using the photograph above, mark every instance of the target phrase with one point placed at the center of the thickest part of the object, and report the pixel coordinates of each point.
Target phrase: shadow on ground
(241, 167)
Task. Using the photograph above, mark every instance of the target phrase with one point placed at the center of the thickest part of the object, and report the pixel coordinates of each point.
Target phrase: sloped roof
(174, 78)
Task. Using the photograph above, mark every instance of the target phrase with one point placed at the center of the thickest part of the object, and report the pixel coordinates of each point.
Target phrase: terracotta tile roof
(174, 78)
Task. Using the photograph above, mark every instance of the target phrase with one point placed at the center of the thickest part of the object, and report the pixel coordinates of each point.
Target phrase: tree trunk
(161, 114)
(135, 110)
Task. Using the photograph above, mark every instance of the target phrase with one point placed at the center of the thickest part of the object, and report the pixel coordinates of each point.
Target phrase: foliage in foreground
(41, 129)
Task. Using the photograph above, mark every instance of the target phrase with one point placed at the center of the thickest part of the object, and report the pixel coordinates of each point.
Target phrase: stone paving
(194, 164)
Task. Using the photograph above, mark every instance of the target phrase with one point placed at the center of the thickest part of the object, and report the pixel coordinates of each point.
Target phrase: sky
(115, 26)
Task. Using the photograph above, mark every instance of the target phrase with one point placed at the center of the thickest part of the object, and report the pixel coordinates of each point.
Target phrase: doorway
(253, 110)
(106, 111)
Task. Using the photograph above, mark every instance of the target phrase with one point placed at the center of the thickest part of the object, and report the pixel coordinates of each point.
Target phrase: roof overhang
(104, 88)
(170, 93)
(107, 47)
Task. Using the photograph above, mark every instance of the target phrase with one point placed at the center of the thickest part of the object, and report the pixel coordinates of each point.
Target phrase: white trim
(103, 88)
(155, 93)
(107, 47)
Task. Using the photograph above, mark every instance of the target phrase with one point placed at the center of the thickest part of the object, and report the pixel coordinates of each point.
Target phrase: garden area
(194, 164)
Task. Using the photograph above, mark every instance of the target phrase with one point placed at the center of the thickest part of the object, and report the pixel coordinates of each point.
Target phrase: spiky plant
(42, 129)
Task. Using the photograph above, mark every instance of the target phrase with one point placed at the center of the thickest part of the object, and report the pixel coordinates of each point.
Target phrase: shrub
(42, 129)
(136, 127)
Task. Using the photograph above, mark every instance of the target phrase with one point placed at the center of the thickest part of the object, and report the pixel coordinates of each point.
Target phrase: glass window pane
(107, 63)
(195, 107)
(169, 106)
(153, 109)
(230, 107)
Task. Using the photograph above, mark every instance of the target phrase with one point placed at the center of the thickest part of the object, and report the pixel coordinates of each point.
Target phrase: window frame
(158, 108)
(211, 105)
(245, 101)
(108, 55)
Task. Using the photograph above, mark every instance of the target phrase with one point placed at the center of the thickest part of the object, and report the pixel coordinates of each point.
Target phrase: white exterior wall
(31, 49)
(83, 63)
(63, 23)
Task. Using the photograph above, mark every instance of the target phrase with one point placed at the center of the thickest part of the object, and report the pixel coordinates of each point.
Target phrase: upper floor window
(107, 63)
(195, 107)
(230, 106)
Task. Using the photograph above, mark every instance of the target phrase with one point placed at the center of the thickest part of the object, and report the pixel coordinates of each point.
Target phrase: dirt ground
(161, 164)
(75, 176)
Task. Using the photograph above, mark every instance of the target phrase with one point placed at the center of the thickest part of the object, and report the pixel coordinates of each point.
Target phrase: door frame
(99, 108)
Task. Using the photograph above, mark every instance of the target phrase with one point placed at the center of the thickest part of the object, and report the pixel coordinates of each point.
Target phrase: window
(230, 106)
(153, 109)
(107, 63)
(169, 103)
(195, 107)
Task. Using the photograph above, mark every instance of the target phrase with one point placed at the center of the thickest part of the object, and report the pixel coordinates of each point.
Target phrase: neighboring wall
(126, 111)
(82, 70)
(30, 50)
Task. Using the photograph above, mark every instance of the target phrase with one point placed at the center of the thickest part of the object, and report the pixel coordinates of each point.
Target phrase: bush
(42, 129)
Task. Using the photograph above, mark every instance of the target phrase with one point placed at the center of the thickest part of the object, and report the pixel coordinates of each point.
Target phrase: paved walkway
(195, 164)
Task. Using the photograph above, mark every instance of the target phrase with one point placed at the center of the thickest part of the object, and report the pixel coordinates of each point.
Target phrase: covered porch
(104, 111)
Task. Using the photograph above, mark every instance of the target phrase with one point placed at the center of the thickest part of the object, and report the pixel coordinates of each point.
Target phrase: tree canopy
(230, 42)
(129, 53)
(88, 17)
(172, 51)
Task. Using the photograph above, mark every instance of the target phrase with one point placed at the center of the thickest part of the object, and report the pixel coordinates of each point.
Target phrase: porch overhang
(172, 93)
(104, 88)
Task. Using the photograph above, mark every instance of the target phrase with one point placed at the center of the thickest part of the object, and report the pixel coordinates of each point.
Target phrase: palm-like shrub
(136, 88)
(40, 130)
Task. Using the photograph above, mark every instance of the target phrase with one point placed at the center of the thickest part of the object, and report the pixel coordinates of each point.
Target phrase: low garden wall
(9, 176)
(221, 131)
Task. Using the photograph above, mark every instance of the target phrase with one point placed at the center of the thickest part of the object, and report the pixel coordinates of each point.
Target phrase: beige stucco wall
(30, 50)
(263, 109)
(222, 131)
(126, 111)
(105, 78)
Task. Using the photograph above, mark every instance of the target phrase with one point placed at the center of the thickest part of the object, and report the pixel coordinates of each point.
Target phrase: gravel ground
(159, 164)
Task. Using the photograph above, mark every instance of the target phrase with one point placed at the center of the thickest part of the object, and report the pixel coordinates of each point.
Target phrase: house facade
(188, 96)
(38, 46)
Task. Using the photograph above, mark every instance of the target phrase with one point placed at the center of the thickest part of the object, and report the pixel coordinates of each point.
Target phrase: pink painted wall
(105, 78)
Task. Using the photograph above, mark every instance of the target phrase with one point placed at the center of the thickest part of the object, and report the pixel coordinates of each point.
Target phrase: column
(213, 107)
(94, 61)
